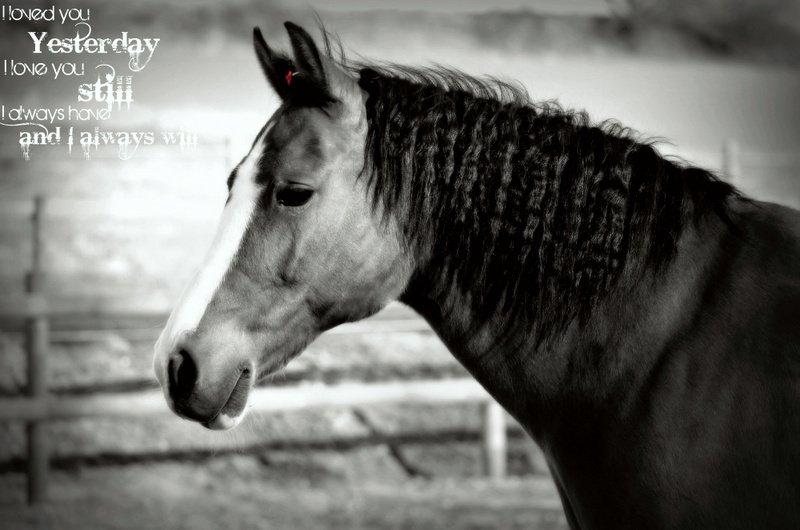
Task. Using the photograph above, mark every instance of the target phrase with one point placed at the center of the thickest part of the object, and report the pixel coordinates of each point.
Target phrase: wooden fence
(34, 314)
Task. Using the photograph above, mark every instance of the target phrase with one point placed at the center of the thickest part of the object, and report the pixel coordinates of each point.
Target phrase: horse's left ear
(310, 81)
(275, 65)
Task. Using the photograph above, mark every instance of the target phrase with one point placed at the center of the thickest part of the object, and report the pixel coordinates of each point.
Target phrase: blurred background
(108, 244)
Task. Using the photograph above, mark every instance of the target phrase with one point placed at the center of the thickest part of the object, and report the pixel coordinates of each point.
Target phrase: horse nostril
(182, 375)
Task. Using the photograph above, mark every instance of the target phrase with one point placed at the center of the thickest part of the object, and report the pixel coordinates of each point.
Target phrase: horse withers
(638, 316)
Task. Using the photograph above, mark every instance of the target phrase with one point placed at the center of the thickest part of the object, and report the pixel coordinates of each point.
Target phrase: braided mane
(528, 208)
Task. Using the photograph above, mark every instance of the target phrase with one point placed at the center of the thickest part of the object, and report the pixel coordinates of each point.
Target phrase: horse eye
(293, 195)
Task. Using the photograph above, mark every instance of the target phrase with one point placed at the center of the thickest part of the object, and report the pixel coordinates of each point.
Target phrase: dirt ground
(324, 489)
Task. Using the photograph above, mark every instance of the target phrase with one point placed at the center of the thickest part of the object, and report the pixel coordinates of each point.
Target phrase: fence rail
(147, 403)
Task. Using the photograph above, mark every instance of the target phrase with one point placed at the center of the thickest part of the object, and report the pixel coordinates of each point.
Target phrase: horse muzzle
(215, 398)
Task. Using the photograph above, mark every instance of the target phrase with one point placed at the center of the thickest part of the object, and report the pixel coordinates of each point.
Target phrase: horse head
(300, 247)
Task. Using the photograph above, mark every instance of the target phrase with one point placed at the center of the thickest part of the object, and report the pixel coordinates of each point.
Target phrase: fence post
(37, 331)
(494, 440)
(731, 165)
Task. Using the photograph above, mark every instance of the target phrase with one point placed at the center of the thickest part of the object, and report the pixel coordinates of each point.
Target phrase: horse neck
(524, 223)
(584, 366)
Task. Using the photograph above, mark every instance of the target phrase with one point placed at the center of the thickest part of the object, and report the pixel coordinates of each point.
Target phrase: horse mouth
(232, 412)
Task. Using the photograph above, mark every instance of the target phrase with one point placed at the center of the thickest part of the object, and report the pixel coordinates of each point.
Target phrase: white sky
(583, 7)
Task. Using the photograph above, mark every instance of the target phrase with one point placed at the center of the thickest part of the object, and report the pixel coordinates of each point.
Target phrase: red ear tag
(288, 77)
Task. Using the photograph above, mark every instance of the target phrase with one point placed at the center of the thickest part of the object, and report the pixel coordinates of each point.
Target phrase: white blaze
(233, 225)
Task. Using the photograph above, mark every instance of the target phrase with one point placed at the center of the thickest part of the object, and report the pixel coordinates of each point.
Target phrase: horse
(637, 315)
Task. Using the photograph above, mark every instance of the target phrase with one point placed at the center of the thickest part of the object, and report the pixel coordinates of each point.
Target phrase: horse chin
(234, 410)
(223, 422)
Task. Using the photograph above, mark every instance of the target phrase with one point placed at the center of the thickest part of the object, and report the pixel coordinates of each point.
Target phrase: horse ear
(275, 66)
(312, 83)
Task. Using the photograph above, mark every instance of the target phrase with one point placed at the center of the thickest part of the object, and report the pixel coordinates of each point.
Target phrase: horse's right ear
(274, 65)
